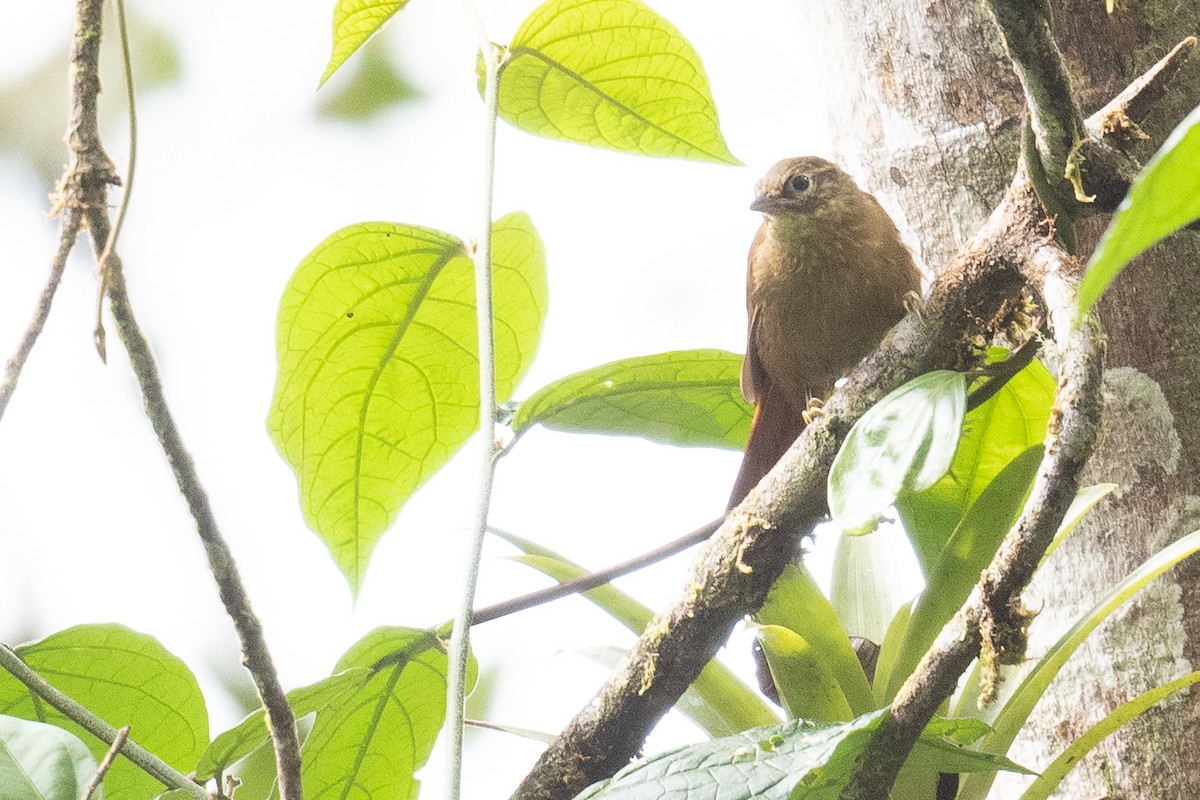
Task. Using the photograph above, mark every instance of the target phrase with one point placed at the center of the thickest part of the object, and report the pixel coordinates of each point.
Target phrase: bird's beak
(765, 203)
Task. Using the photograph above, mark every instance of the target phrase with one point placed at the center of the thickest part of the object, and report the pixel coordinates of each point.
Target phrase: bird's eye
(799, 183)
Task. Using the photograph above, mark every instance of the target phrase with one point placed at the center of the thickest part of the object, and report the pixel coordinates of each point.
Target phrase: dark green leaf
(614, 74)
(687, 397)
(42, 762)
(807, 686)
(903, 444)
(797, 604)
(378, 380)
(799, 760)
(770, 762)
(1164, 198)
(942, 748)
(126, 678)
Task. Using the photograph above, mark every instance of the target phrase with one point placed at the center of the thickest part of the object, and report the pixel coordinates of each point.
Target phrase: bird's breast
(822, 304)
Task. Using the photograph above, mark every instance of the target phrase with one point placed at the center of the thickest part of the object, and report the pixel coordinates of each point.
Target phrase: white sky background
(237, 180)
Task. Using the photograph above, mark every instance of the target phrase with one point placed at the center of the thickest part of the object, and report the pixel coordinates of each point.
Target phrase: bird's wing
(752, 371)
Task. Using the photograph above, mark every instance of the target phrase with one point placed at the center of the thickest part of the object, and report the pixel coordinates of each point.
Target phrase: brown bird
(828, 276)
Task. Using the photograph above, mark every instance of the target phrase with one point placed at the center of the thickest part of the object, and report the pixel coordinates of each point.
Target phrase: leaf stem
(456, 679)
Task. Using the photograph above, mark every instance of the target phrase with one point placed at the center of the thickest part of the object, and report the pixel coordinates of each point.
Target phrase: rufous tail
(776, 425)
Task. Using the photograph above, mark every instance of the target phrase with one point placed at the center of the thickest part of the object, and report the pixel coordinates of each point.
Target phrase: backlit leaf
(687, 397)
(993, 434)
(717, 700)
(355, 21)
(970, 549)
(378, 381)
(251, 733)
(613, 74)
(797, 604)
(806, 684)
(904, 443)
(371, 742)
(1163, 198)
(126, 678)
(42, 762)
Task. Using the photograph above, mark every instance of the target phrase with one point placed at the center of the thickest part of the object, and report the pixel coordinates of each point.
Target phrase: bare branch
(1118, 120)
(67, 231)
(86, 187)
(993, 622)
(1076, 172)
(1057, 122)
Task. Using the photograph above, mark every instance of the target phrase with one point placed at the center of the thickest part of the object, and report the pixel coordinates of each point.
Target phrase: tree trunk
(926, 113)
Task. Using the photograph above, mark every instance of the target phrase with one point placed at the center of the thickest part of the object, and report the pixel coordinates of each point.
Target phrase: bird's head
(806, 187)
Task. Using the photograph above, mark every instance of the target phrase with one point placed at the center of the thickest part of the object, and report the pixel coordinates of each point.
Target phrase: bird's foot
(814, 409)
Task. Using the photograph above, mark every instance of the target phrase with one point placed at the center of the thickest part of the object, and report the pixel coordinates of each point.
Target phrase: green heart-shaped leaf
(613, 74)
(126, 678)
(378, 381)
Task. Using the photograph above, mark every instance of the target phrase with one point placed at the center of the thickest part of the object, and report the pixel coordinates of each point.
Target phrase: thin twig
(255, 655)
(67, 231)
(91, 174)
(460, 636)
(591, 580)
(1120, 117)
(164, 773)
(106, 763)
